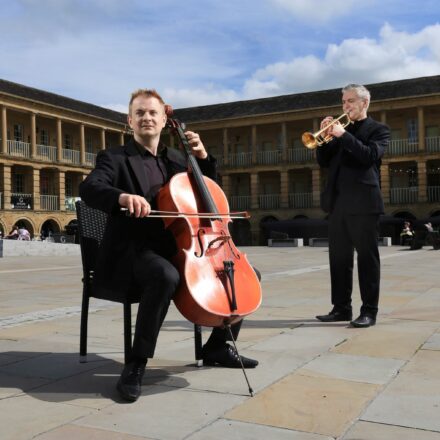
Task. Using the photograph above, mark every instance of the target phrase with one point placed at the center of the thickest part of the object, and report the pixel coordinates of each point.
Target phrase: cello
(218, 285)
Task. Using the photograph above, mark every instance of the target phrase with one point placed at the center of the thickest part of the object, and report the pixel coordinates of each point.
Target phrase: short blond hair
(150, 93)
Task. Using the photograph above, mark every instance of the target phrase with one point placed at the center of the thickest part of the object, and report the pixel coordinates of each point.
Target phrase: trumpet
(313, 140)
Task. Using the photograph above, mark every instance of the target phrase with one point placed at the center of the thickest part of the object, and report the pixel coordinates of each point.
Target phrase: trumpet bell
(309, 140)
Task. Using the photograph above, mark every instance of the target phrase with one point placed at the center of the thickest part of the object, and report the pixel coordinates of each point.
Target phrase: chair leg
(83, 328)
(198, 345)
(127, 332)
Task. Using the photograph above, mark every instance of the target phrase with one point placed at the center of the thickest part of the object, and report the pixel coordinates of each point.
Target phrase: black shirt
(155, 169)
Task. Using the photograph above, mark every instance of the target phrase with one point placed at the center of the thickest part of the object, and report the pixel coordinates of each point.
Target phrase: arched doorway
(24, 223)
(240, 230)
(48, 228)
(264, 234)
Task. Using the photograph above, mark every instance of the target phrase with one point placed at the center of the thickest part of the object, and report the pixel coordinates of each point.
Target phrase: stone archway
(25, 223)
(48, 228)
(240, 230)
(263, 232)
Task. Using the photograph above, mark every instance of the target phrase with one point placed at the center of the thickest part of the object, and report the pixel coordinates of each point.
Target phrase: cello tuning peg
(168, 110)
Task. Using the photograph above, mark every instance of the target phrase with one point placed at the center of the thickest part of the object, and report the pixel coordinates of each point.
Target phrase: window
(67, 141)
(89, 145)
(413, 130)
(44, 137)
(18, 183)
(396, 134)
(69, 186)
(18, 132)
(44, 185)
(432, 131)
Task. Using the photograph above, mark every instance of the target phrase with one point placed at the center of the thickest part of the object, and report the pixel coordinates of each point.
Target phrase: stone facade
(49, 144)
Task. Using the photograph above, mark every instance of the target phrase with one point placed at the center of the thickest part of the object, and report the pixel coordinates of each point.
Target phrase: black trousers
(157, 280)
(348, 232)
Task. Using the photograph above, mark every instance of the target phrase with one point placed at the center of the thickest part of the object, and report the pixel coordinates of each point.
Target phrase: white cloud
(396, 55)
(179, 98)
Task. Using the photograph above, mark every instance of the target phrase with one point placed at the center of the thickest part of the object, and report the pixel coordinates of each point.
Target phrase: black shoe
(363, 321)
(226, 356)
(335, 316)
(130, 382)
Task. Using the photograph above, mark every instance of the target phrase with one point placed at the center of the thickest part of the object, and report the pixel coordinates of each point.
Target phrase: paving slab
(305, 403)
(379, 431)
(315, 381)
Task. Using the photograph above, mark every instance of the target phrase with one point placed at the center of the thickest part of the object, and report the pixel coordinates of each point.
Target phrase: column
(7, 186)
(59, 140)
(316, 187)
(254, 143)
(385, 183)
(33, 135)
(82, 144)
(102, 138)
(225, 147)
(62, 190)
(121, 138)
(421, 123)
(316, 124)
(284, 189)
(284, 142)
(4, 132)
(422, 181)
(383, 117)
(36, 189)
(254, 191)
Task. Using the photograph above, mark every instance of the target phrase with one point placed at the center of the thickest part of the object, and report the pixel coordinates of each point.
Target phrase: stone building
(49, 143)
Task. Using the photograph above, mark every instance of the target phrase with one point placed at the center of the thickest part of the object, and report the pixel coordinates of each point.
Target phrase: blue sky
(198, 52)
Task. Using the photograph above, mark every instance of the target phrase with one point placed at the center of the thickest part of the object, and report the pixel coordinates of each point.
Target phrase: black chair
(91, 227)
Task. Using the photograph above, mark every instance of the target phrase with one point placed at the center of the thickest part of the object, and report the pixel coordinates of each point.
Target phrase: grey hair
(361, 91)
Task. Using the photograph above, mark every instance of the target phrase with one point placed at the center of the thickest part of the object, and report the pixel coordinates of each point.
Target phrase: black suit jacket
(120, 170)
(354, 162)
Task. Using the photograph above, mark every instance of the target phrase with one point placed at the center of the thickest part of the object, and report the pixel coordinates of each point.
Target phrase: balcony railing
(238, 203)
(269, 201)
(433, 193)
(269, 157)
(47, 152)
(71, 156)
(18, 148)
(404, 195)
(302, 154)
(240, 159)
(400, 147)
(49, 203)
(91, 159)
(432, 144)
(300, 200)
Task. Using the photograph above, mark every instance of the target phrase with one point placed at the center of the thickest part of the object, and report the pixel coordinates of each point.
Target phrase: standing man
(134, 255)
(353, 199)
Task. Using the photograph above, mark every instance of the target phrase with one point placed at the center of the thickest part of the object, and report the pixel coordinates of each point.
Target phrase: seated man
(135, 251)
(407, 234)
